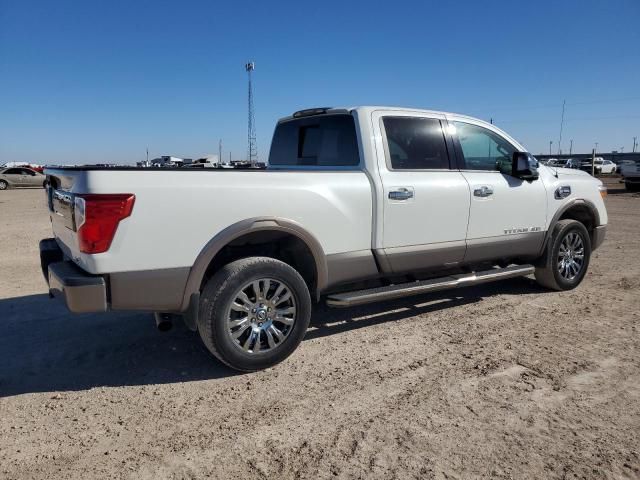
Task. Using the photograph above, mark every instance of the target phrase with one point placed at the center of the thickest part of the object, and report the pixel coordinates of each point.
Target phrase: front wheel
(3, 185)
(254, 313)
(566, 258)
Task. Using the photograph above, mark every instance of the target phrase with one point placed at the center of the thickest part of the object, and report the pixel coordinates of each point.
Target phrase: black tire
(4, 185)
(549, 274)
(632, 187)
(222, 290)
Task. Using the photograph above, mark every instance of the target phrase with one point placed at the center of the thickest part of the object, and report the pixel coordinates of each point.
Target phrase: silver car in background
(20, 177)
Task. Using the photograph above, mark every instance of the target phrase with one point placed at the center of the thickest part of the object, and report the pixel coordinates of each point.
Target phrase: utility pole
(570, 147)
(561, 126)
(252, 149)
(550, 145)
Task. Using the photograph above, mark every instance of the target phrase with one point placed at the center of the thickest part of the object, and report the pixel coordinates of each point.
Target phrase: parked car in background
(572, 163)
(32, 166)
(554, 162)
(21, 177)
(630, 172)
(621, 163)
(600, 166)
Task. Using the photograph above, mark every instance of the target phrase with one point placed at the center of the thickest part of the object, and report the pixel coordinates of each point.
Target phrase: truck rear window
(323, 141)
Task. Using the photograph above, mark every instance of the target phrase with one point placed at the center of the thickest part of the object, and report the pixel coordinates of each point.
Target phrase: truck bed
(177, 211)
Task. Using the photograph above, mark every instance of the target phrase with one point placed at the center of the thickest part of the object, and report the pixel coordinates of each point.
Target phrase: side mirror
(524, 166)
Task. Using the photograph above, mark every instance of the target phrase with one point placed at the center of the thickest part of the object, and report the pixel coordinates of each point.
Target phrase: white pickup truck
(357, 205)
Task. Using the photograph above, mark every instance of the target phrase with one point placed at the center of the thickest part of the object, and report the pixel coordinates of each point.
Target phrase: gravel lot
(500, 381)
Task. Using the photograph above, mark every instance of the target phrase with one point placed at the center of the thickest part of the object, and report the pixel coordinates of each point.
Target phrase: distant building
(166, 161)
(211, 158)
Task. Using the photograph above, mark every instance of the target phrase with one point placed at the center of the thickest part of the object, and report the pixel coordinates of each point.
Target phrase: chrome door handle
(401, 194)
(483, 191)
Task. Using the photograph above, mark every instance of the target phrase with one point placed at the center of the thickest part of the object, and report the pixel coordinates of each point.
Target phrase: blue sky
(100, 81)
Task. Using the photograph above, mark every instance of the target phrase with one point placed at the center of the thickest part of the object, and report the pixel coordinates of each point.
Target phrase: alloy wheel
(261, 315)
(571, 256)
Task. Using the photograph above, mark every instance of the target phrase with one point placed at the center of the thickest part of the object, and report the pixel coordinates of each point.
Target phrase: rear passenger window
(323, 141)
(415, 143)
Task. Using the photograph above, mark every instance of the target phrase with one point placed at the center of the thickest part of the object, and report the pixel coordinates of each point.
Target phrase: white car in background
(600, 166)
(554, 162)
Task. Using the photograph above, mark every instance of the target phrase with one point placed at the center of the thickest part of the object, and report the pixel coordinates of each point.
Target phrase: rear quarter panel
(176, 213)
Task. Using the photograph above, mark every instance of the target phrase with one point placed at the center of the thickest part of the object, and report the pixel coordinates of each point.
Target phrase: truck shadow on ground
(44, 348)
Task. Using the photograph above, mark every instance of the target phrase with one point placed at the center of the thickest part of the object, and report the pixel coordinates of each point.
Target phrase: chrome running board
(360, 297)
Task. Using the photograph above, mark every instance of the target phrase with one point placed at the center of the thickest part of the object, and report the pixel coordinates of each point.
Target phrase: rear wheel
(632, 187)
(567, 256)
(254, 313)
(3, 185)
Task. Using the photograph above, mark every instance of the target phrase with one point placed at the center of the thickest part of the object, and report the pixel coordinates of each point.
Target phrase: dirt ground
(500, 381)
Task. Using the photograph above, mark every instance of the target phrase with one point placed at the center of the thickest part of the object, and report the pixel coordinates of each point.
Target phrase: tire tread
(211, 305)
(545, 274)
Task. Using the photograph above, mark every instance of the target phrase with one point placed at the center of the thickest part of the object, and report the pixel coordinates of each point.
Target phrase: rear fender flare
(218, 242)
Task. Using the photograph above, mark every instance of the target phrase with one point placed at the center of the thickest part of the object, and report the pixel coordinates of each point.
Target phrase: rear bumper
(598, 236)
(82, 292)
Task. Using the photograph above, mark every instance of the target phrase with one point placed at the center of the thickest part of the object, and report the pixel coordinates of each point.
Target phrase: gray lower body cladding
(163, 290)
(598, 236)
(521, 245)
(153, 290)
(149, 290)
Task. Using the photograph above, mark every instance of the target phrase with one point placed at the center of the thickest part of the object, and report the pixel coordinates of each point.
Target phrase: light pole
(570, 147)
(596, 147)
(561, 126)
(634, 144)
(550, 145)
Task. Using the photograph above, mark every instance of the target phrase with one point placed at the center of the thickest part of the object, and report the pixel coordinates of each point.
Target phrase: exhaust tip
(164, 322)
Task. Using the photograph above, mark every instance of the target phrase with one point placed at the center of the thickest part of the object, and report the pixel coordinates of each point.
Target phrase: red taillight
(97, 218)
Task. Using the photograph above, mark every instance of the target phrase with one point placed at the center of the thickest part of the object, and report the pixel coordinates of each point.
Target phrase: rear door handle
(483, 191)
(401, 194)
